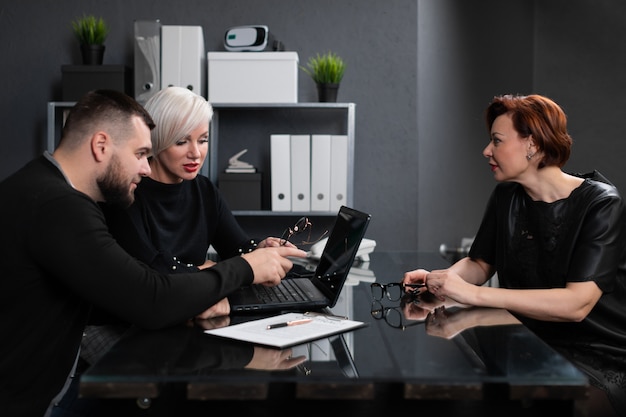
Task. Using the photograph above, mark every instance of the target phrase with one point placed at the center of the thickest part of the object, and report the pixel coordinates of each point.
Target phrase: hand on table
(221, 308)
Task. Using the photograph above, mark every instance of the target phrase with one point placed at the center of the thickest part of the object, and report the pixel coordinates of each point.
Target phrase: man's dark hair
(109, 110)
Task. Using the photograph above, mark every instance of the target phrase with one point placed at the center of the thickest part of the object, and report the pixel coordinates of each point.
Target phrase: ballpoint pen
(289, 323)
(327, 315)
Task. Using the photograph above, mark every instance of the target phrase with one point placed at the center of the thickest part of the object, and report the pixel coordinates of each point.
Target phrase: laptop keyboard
(285, 291)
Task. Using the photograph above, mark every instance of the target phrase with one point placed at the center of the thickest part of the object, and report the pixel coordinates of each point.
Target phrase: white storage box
(252, 77)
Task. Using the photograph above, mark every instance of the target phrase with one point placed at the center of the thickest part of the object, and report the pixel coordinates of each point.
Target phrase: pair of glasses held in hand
(301, 226)
(394, 291)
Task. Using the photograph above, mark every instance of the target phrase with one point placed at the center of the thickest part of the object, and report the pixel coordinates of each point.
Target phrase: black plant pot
(92, 54)
(327, 93)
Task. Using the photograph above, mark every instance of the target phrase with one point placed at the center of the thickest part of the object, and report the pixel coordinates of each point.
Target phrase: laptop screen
(340, 251)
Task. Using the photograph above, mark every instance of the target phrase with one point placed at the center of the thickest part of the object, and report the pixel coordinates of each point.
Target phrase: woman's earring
(529, 156)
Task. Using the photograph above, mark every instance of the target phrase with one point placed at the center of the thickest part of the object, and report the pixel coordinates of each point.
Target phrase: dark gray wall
(573, 51)
(420, 73)
(580, 61)
(376, 38)
(468, 52)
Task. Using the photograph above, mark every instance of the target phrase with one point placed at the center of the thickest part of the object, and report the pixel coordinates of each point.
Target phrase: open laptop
(319, 289)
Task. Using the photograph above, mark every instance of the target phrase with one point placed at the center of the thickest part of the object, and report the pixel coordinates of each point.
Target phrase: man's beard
(113, 187)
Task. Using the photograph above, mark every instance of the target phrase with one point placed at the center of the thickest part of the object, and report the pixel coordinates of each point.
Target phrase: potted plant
(327, 71)
(91, 33)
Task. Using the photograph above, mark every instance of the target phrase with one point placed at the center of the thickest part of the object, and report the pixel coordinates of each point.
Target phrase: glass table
(393, 360)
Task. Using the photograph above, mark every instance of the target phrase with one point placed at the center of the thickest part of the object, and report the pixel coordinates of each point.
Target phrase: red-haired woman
(557, 241)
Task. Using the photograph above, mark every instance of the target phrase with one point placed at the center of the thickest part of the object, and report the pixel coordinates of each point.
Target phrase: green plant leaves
(327, 68)
(90, 30)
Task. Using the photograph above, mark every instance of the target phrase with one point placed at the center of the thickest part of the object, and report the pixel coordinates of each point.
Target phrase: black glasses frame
(393, 316)
(380, 290)
(301, 225)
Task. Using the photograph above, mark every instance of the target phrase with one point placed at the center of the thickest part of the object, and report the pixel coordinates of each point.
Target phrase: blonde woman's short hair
(176, 111)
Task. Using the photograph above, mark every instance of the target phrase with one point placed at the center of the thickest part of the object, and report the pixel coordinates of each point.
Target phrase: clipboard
(257, 332)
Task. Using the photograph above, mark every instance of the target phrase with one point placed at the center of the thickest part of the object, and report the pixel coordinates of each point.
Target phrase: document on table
(257, 331)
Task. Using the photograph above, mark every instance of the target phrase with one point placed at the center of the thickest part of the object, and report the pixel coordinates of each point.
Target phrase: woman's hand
(417, 276)
(206, 264)
(445, 284)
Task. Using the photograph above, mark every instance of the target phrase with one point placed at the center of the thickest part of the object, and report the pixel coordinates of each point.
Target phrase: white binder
(300, 172)
(280, 166)
(183, 58)
(147, 59)
(338, 171)
(320, 172)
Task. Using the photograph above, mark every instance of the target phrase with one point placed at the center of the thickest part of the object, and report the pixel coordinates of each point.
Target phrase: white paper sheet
(256, 331)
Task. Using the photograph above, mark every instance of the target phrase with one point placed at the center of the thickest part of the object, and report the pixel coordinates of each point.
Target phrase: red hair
(537, 116)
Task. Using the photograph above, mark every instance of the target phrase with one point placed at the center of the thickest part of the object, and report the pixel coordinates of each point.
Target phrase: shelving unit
(55, 122)
(249, 126)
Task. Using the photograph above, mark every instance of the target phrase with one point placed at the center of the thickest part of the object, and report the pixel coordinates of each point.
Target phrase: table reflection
(185, 352)
(410, 350)
(186, 349)
(604, 366)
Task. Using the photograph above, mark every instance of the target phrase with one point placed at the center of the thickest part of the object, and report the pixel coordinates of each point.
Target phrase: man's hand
(270, 265)
(273, 242)
(221, 308)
